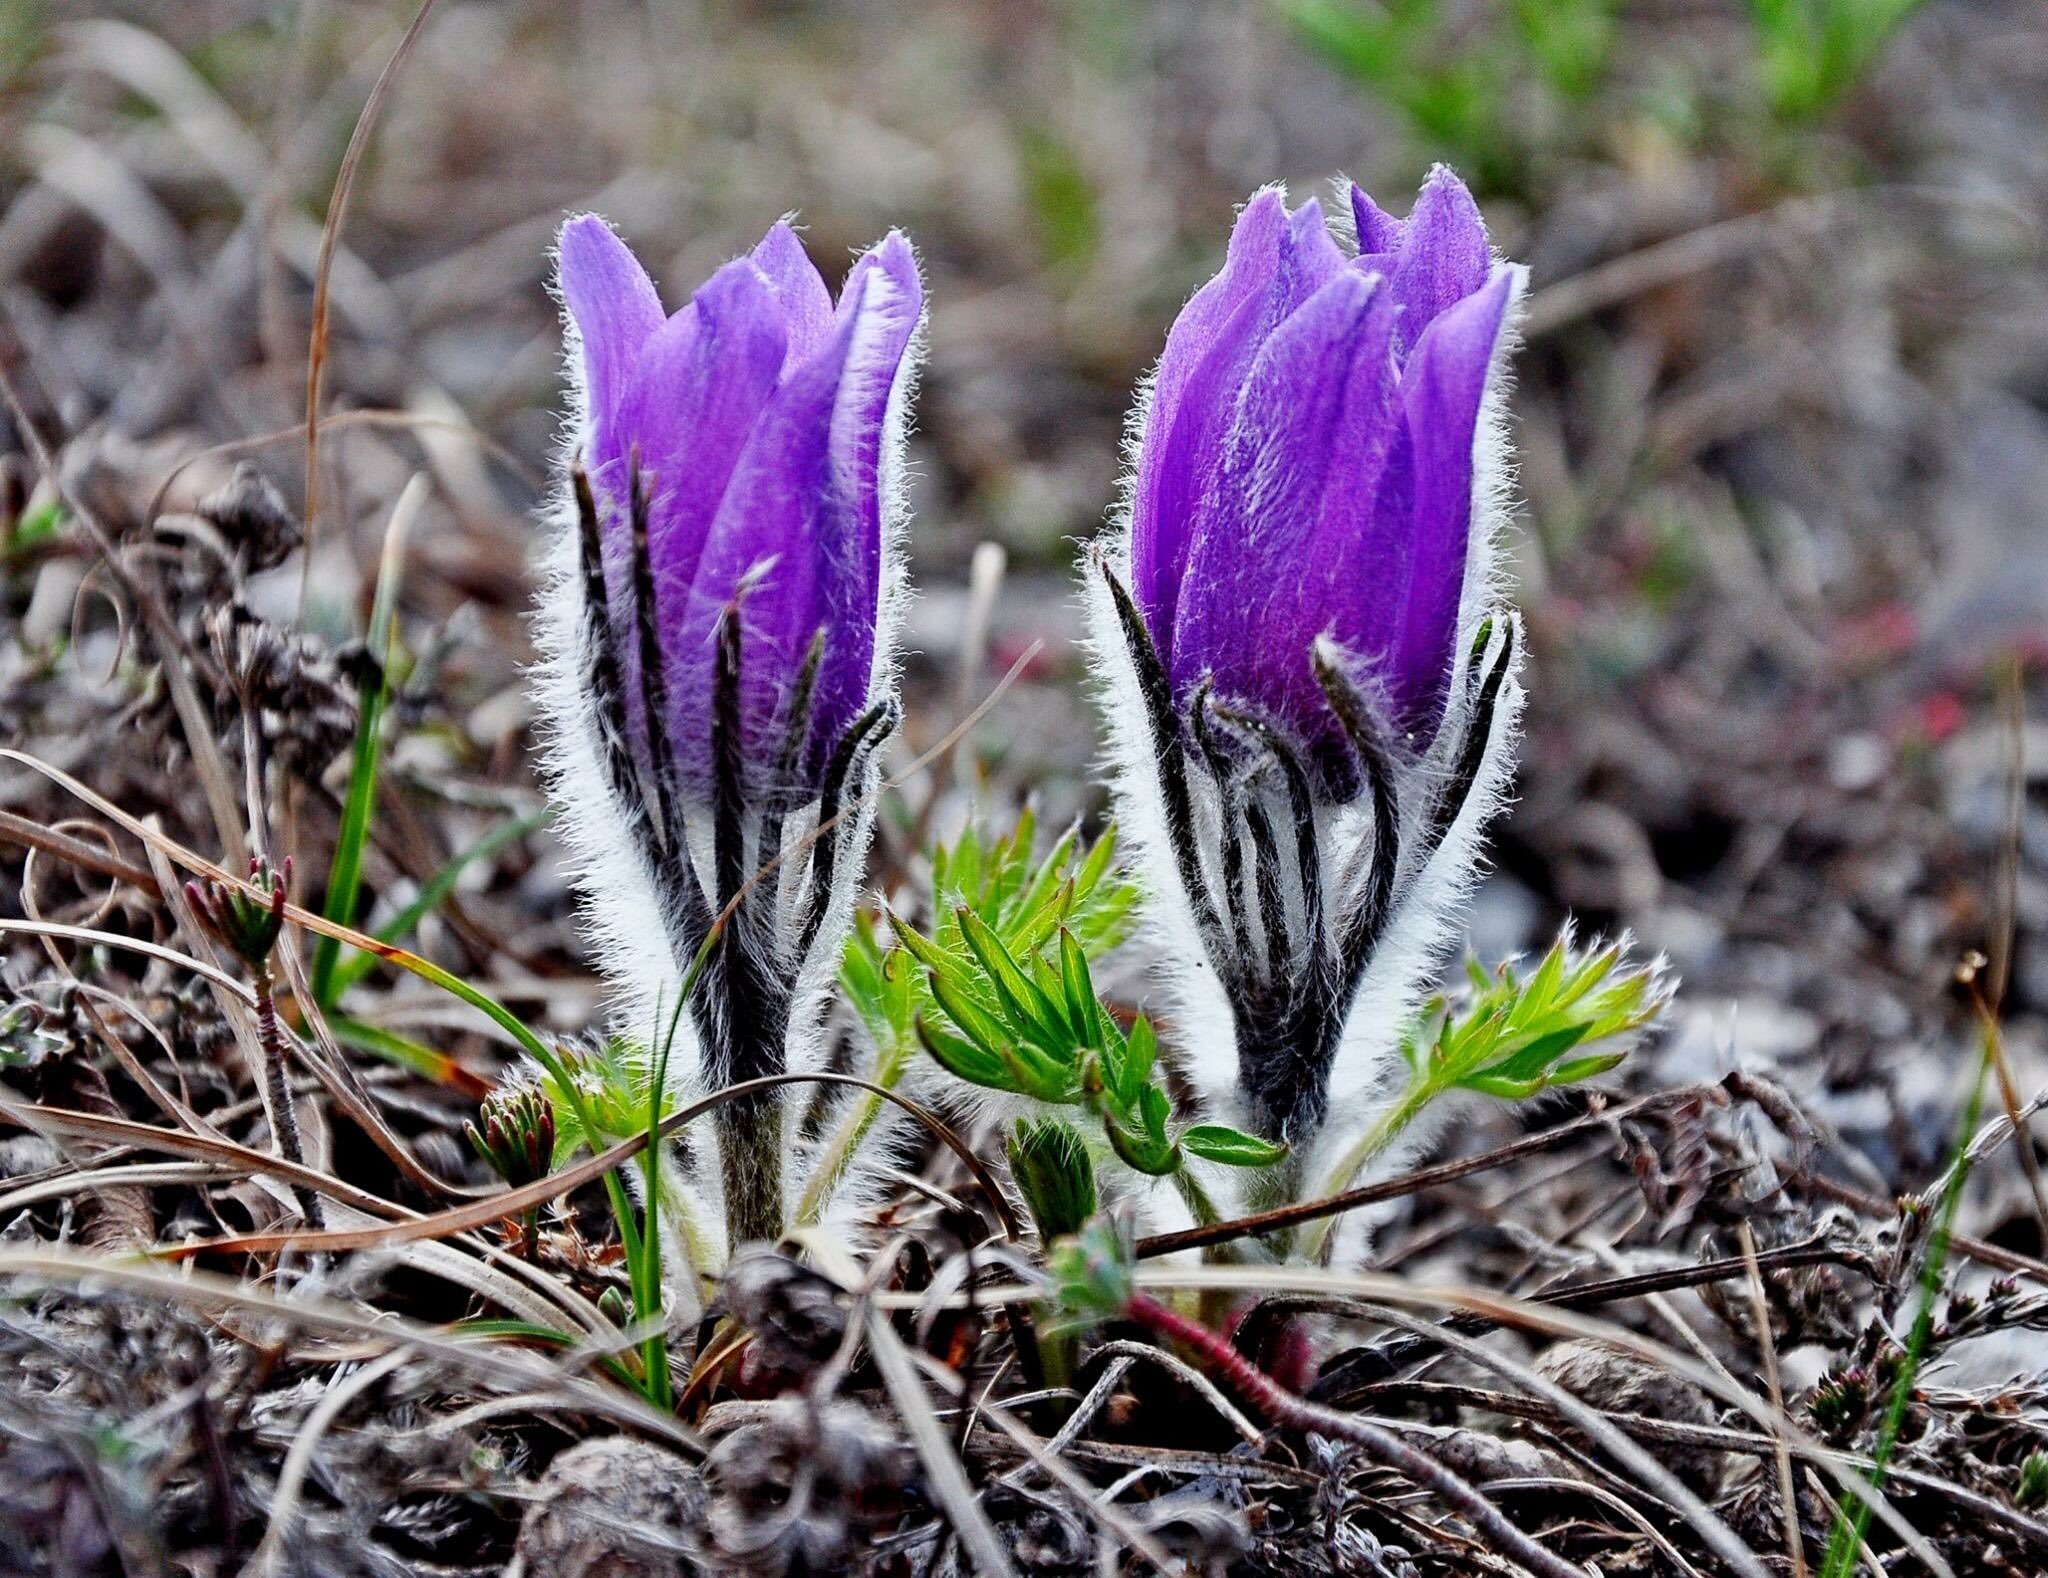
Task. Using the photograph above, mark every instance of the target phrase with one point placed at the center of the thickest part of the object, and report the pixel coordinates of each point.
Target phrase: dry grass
(1783, 451)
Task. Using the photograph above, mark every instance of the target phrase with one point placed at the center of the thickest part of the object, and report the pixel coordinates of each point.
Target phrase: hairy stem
(1420, 1092)
(848, 1135)
(284, 1117)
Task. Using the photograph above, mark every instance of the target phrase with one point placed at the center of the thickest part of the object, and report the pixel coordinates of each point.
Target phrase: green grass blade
(345, 876)
(404, 1052)
(547, 1337)
(435, 893)
(1845, 1542)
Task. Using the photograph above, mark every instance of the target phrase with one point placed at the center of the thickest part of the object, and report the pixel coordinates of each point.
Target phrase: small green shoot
(598, 1096)
(1023, 1018)
(2031, 1493)
(1845, 1540)
(345, 876)
(1050, 1162)
(1021, 900)
(41, 525)
(515, 1135)
(1512, 1036)
(1091, 1271)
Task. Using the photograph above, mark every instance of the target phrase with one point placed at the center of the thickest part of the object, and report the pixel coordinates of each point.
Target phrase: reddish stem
(1294, 1413)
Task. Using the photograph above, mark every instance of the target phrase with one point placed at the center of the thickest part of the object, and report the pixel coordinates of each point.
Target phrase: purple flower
(1305, 466)
(718, 635)
(755, 415)
(1312, 700)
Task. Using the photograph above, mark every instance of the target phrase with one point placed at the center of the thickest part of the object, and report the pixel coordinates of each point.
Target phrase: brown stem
(1284, 1408)
(283, 1115)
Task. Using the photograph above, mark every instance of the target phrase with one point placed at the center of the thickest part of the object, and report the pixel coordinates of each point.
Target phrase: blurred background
(1782, 418)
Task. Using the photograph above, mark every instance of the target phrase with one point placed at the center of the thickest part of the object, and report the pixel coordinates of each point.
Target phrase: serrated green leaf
(1215, 1142)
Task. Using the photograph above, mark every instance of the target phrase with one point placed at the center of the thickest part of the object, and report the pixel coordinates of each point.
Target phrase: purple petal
(1441, 391)
(700, 383)
(612, 304)
(1190, 404)
(882, 302)
(1379, 232)
(1309, 257)
(1286, 258)
(1275, 544)
(799, 533)
(806, 303)
(1443, 257)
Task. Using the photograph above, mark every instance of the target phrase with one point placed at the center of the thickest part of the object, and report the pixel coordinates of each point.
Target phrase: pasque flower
(718, 633)
(1312, 690)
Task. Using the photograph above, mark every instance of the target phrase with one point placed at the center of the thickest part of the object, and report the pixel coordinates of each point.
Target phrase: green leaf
(1021, 997)
(1095, 866)
(345, 875)
(1539, 1054)
(1045, 882)
(1213, 1142)
(1586, 1068)
(1155, 1109)
(1143, 1052)
(1034, 927)
(1504, 1089)
(1040, 1075)
(922, 948)
(1083, 1013)
(964, 1060)
(1154, 1157)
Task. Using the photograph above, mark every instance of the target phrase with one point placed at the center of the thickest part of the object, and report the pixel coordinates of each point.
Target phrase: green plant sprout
(1021, 900)
(515, 1135)
(1511, 1036)
(1054, 1173)
(1020, 1015)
